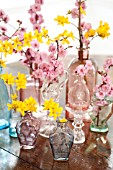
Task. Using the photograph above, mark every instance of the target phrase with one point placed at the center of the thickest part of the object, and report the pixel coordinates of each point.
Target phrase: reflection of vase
(33, 88)
(90, 77)
(4, 99)
(99, 118)
(61, 141)
(27, 131)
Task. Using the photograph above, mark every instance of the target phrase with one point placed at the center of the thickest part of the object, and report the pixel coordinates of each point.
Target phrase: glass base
(79, 138)
(61, 159)
(27, 146)
(100, 129)
(12, 132)
(3, 124)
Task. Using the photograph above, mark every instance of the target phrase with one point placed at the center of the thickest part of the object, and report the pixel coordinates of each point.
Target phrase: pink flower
(74, 13)
(35, 44)
(89, 65)
(62, 52)
(41, 2)
(100, 95)
(85, 26)
(2, 28)
(36, 7)
(52, 48)
(2, 13)
(6, 18)
(81, 70)
(106, 79)
(85, 41)
(106, 88)
(37, 27)
(101, 103)
(108, 63)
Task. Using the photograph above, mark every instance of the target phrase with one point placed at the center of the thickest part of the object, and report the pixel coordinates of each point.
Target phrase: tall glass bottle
(90, 77)
(4, 99)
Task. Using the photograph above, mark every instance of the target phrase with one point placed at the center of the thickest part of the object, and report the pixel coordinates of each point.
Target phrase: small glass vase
(61, 141)
(15, 117)
(27, 131)
(99, 118)
(4, 99)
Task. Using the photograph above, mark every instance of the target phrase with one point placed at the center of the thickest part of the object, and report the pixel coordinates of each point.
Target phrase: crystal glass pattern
(61, 141)
(27, 131)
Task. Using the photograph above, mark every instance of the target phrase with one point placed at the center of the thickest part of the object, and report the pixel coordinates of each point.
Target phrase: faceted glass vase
(61, 141)
(99, 118)
(27, 131)
(4, 99)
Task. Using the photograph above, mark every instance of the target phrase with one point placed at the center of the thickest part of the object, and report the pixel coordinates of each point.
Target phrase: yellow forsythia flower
(61, 20)
(21, 81)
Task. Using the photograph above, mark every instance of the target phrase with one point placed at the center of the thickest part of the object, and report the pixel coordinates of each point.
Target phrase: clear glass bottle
(79, 101)
(61, 141)
(27, 131)
(51, 90)
(4, 99)
(15, 117)
(90, 77)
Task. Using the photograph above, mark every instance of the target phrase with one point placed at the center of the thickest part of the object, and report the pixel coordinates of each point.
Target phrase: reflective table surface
(96, 153)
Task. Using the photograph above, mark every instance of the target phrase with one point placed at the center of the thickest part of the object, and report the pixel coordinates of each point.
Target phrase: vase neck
(83, 54)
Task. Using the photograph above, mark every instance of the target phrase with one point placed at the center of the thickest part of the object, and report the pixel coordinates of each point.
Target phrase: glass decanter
(90, 77)
(51, 89)
(79, 101)
(61, 141)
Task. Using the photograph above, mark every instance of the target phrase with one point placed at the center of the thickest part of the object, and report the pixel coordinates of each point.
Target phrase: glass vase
(33, 88)
(90, 77)
(99, 117)
(27, 131)
(15, 117)
(61, 141)
(4, 99)
(51, 89)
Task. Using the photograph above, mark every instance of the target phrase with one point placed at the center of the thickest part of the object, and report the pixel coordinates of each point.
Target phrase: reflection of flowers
(85, 31)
